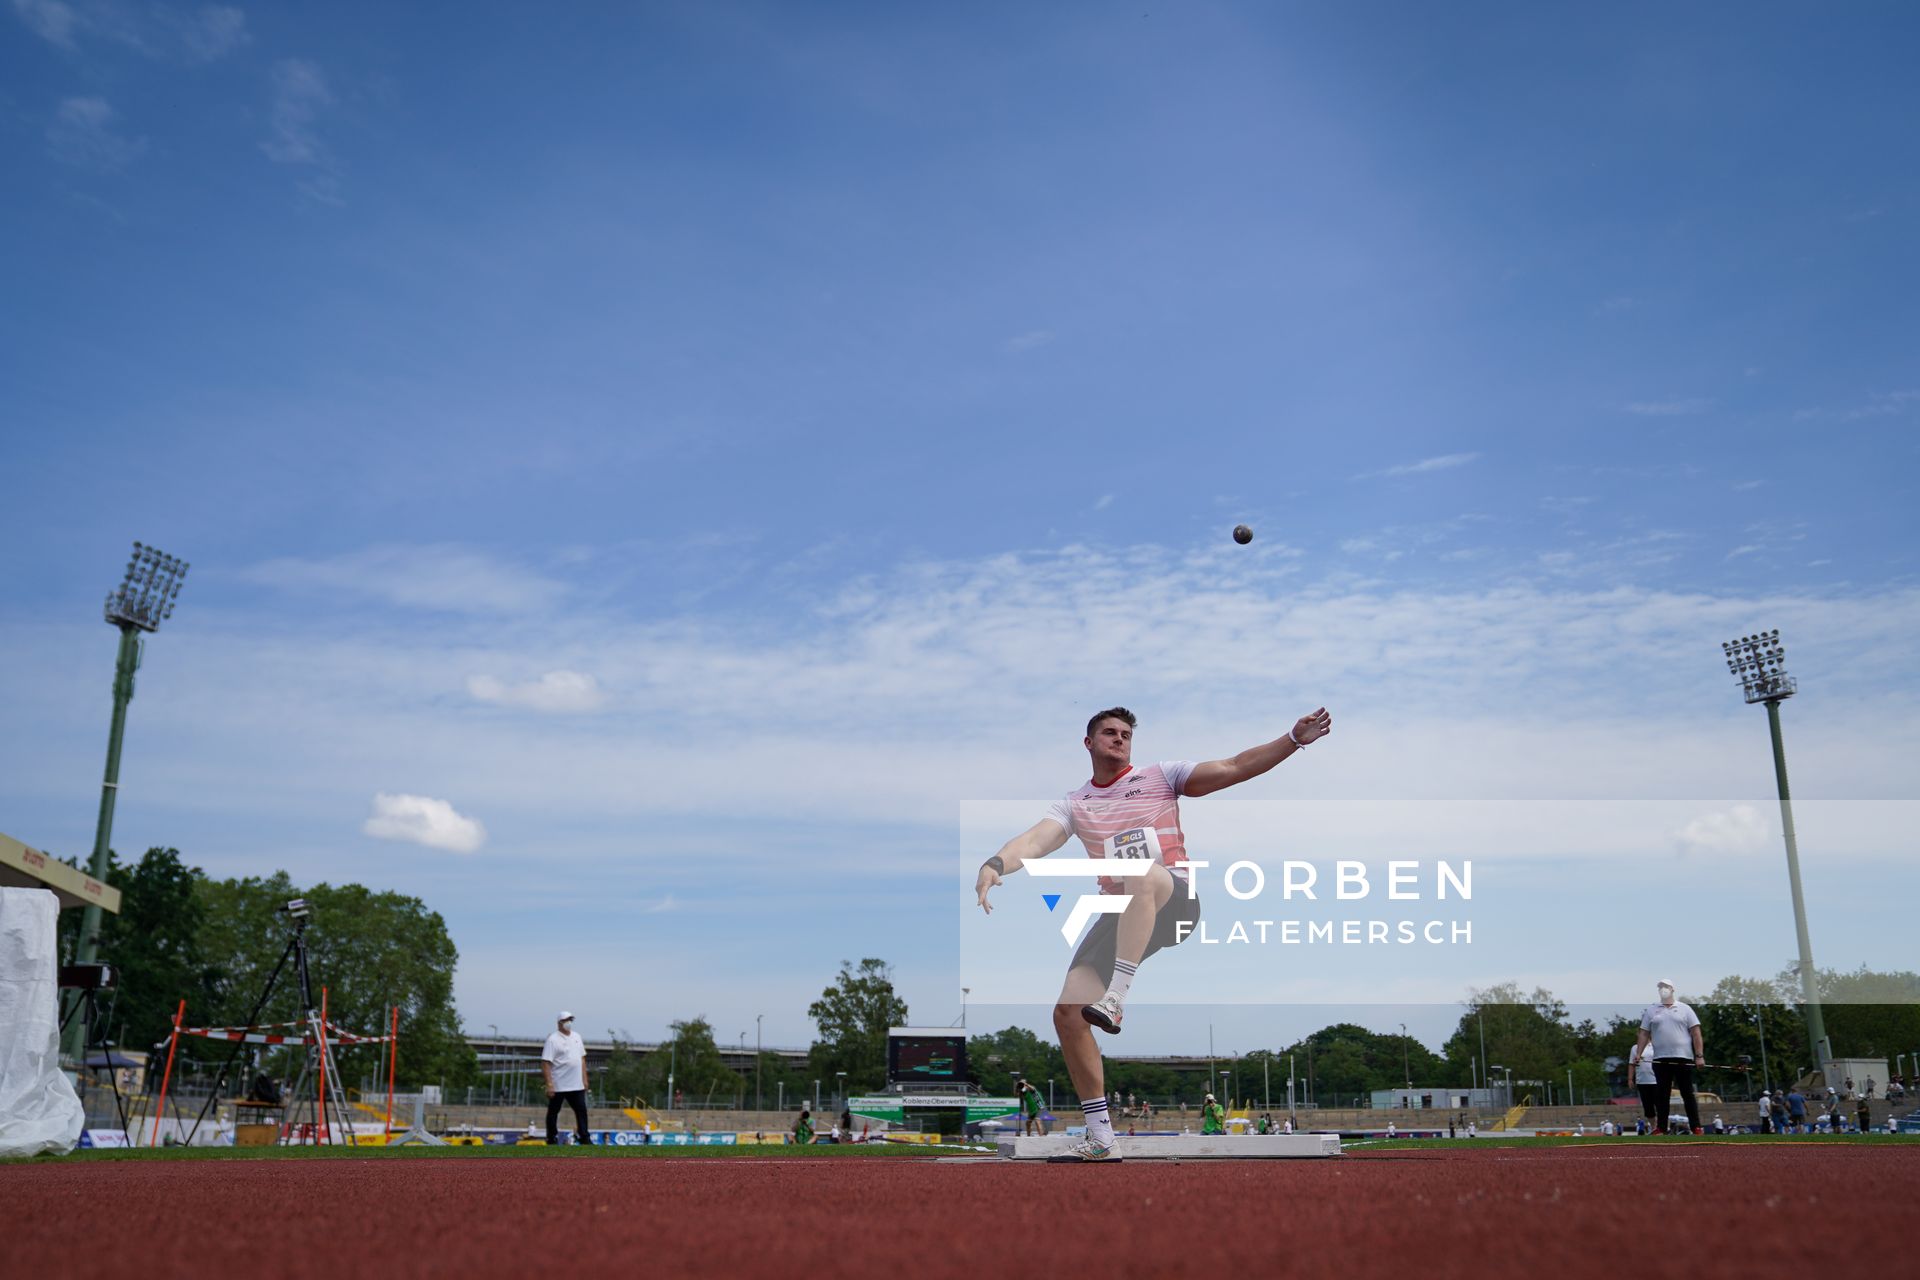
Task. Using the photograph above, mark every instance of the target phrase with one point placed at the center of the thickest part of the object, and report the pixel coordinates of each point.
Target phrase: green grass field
(857, 1151)
(880, 1151)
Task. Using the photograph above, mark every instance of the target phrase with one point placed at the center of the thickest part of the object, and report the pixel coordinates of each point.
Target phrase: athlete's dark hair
(1112, 713)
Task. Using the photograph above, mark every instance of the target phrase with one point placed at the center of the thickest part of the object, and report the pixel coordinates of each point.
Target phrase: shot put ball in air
(1242, 534)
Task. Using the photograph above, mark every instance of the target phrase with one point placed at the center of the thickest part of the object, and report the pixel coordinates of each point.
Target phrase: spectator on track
(1644, 1082)
(803, 1127)
(1797, 1110)
(1213, 1116)
(1782, 1118)
(1765, 1108)
(1863, 1114)
(1671, 1031)
(1869, 1092)
(563, 1065)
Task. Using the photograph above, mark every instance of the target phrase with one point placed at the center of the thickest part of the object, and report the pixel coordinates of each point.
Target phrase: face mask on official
(1666, 994)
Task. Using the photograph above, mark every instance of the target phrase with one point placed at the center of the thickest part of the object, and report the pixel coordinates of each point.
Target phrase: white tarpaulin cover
(39, 1112)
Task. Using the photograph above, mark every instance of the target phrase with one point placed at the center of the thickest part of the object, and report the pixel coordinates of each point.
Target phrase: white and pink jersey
(1137, 815)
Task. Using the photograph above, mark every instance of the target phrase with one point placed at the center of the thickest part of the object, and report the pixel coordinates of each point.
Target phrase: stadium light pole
(758, 1052)
(1758, 662)
(1406, 1061)
(143, 600)
(1760, 1021)
(1483, 1046)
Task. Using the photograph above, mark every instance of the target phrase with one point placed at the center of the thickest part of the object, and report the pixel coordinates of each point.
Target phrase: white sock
(1099, 1127)
(1122, 980)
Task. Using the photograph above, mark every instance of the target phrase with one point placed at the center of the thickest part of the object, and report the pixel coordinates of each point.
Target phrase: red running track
(1614, 1211)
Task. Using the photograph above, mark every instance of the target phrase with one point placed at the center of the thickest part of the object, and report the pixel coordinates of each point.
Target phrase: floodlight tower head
(144, 599)
(1759, 663)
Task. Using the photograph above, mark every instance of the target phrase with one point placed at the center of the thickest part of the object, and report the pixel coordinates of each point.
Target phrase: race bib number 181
(1140, 842)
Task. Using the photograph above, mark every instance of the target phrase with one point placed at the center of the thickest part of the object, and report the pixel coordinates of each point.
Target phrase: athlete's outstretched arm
(1213, 775)
(1037, 841)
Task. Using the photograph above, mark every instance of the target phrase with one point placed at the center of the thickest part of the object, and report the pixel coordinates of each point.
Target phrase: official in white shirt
(1670, 1031)
(563, 1062)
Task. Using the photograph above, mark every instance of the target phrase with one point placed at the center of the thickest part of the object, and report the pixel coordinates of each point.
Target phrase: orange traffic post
(320, 1130)
(393, 1052)
(166, 1077)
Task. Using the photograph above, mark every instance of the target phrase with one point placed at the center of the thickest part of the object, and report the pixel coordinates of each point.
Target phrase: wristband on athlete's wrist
(998, 864)
(1295, 741)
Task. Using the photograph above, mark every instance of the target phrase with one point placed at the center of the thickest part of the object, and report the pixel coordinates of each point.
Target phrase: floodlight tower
(143, 600)
(1758, 662)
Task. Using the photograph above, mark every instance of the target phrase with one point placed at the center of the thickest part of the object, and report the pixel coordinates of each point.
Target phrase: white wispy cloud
(1441, 462)
(1103, 502)
(83, 134)
(436, 576)
(211, 32)
(51, 20)
(1030, 341)
(1676, 408)
(1881, 404)
(300, 94)
(1740, 829)
(160, 31)
(556, 692)
(424, 820)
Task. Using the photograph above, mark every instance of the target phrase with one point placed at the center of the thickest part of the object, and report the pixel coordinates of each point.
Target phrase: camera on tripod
(297, 908)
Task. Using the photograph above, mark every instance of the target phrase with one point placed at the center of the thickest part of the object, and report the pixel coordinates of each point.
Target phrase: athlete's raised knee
(1158, 884)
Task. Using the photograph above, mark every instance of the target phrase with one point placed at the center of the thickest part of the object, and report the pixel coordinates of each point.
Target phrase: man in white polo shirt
(1670, 1031)
(563, 1062)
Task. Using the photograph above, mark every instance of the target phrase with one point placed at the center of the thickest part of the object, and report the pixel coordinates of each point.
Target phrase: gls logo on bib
(1140, 842)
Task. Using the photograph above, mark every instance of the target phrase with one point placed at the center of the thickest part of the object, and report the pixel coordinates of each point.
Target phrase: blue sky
(677, 441)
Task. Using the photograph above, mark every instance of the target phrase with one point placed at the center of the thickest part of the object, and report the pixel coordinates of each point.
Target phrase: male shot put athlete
(1126, 812)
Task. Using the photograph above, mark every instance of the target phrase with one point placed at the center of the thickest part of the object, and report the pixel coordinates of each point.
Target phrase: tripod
(325, 1109)
(90, 980)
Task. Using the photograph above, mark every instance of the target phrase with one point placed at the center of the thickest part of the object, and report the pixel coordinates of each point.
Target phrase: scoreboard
(921, 1056)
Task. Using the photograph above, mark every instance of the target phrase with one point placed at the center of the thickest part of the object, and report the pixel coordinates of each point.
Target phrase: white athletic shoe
(1105, 1013)
(1089, 1151)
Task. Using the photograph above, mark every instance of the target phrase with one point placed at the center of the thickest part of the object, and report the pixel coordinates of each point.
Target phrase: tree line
(181, 934)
